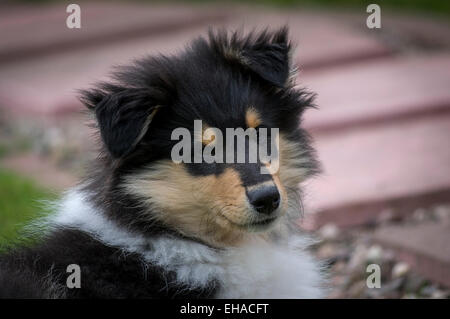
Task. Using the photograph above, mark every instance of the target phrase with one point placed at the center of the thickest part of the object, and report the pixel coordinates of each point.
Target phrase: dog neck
(260, 268)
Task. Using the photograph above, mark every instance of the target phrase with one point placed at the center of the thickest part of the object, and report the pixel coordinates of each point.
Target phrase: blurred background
(382, 129)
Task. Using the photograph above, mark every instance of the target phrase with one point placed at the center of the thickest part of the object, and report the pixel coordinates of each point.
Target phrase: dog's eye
(206, 141)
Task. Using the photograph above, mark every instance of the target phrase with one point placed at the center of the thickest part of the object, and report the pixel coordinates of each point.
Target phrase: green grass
(20, 202)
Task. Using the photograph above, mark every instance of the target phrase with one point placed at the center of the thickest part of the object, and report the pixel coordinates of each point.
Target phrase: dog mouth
(256, 226)
(261, 224)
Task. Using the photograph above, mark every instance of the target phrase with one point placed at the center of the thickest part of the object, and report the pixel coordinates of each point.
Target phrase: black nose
(265, 200)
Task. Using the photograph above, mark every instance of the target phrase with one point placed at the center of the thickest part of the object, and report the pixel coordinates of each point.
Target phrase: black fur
(107, 272)
(205, 82)
(121, 118)
(214, 80)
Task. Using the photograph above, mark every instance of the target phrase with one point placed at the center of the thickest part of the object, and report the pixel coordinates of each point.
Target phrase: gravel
(347, 253)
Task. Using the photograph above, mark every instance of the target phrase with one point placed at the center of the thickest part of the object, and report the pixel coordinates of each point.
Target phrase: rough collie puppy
(145, 226)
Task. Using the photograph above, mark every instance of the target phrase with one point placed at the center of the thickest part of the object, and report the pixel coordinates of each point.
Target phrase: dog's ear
(268, 57)
(124, 116)
(265, 54)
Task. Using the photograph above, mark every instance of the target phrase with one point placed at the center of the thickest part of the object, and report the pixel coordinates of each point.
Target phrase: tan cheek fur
(207, 207)
(291, 174)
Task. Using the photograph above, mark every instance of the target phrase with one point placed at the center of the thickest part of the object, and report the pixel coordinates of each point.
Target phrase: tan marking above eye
(203, 138)
(252, 118)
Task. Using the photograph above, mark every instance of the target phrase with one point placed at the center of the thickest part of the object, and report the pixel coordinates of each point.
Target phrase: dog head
(161, 116)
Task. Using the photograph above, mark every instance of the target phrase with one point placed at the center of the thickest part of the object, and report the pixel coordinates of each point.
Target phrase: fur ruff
(259, 269)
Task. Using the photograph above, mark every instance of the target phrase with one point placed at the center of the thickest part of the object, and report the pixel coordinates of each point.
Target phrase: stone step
(376, 92)
(397, 166)
(321, 39)
(380, 129)
(30, 32)
(425, 247)
(47, 84)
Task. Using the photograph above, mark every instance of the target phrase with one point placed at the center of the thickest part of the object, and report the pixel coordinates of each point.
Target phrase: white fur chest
(256, 270)
(262, 270)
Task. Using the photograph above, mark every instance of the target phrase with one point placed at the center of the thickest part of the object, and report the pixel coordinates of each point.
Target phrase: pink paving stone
(323, 38)
(378, 91)
(30, 32)
(47, 85)
(398, 165)
(425, 247)
(320, 38)
(408, 32)
(379, 135)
